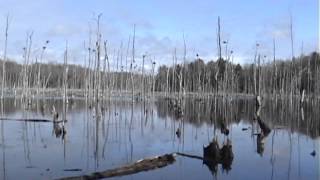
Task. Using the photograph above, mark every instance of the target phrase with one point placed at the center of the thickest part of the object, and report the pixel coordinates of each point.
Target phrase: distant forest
(260, 77)
(277, 76)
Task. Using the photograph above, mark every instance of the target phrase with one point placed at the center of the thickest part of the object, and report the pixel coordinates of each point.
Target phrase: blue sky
(160, 26)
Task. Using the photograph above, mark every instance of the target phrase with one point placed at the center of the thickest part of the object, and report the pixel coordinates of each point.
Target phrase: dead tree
(4, 57)
(98, 53)
(274, 87)
(65, 75)
(220, 55)
(143, 79)
(39, 67)
(292, 59)
(132, 61)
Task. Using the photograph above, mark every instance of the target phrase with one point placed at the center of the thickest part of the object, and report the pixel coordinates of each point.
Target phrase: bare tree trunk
(254, 70)
(274, 68)
(153, 77)
(143, 79)
(106, 58)
(184, 66)
(174, 70)
(104, 71)
(4, 58)
(259, 75)
(27, 52)
(292, 59)
(127, 54)
(98, 49)
(39, 68)
(121, 68)
(65, 76)
(132, 61)
(167, 87)
(219, 39)
(220, 55)
(89, 79)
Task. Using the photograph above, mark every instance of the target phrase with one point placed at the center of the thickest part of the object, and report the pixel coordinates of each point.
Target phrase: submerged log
(139, 166)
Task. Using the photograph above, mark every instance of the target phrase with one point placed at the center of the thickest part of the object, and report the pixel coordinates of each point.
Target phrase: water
(117, 133)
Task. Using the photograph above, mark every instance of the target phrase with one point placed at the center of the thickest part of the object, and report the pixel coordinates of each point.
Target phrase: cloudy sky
(160, 26)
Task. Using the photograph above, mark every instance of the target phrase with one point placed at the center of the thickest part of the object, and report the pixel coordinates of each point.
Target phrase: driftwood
(139, 166)
(26, 120)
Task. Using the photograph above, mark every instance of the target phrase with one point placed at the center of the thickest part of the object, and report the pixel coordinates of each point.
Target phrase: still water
(116, 133)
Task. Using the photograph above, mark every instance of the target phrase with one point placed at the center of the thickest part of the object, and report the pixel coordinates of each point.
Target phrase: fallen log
(75, 169)
(139, 166)
(190, 156)
(26, 120)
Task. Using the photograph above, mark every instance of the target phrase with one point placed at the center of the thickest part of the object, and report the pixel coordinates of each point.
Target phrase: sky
(161, 26)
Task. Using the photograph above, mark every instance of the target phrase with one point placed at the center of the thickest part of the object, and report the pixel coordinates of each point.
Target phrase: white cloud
(63, 30)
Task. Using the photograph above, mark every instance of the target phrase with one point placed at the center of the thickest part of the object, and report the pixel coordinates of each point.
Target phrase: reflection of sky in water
(32, 151)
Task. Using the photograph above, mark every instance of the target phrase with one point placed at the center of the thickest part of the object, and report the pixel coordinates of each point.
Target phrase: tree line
(279, 76)
(220, 76)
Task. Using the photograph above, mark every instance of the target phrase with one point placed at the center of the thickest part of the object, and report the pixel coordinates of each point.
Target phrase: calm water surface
(117, 133)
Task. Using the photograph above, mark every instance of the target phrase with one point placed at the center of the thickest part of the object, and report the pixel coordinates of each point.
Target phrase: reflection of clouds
(281, 151)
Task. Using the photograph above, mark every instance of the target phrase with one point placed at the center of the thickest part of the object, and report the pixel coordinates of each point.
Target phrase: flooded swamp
(211, 138)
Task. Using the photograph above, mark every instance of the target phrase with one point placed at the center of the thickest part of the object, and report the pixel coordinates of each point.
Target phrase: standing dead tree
(143, 78)
(98, 53)
(39, 68)
(274, 82)
(220, 55)
(292, 60)
(132, 61)
(26, 73)
(4, 58)
(184, 66)
(65, 76)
